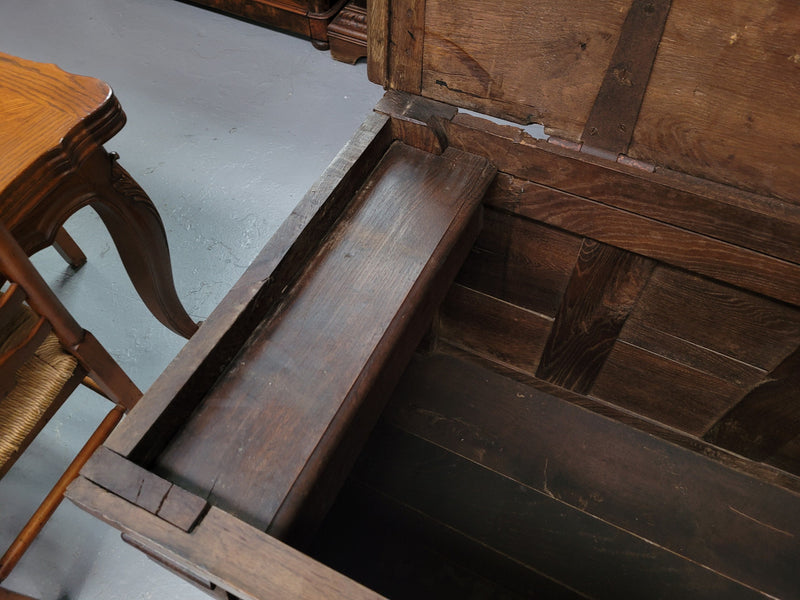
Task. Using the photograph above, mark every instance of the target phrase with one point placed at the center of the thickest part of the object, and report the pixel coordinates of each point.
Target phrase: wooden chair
(44, 356)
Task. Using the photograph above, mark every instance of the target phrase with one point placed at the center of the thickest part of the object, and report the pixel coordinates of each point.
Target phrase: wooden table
(52, 133)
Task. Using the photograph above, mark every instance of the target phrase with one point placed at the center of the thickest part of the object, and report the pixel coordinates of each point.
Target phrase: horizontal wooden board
(521, 262)
(259, 438)
(676, 498)
(758, 223)
(650, 238)
(664, 390)
(473, 57)
(405, 555)
(492, 327)
(593, 558)
(722, 100)
(734, 323)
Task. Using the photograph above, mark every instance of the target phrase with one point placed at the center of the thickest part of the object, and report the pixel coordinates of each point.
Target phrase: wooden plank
(648, 336)
(491, 327)
(721, 103)
(402, 553)
(521, 262)
(207, 552)
(271, 423)
(175, 394)
(144, 489)
(748, 328)
(406, 39)
(616, 108)
(764, 472)
(673, 497)
(605, 286)
(718, 260)
(378, 41)
(474, 58)
(755, 222)
(593, 558)
(767, 418)
(665, 390)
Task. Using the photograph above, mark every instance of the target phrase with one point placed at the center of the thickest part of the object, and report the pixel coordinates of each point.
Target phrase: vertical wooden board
(722, 100)
(406, 38)
(490, 327)
(378, 41)
(529, 62)
(521, 262)
(603, 289)
(664, 390)
(737, 324)
(647, 336)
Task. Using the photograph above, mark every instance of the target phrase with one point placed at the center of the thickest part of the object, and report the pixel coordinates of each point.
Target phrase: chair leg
(53, 499)
(9, 595)
(68, 249)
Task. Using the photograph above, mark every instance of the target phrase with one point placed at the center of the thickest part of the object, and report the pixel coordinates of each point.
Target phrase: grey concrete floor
(228, 125)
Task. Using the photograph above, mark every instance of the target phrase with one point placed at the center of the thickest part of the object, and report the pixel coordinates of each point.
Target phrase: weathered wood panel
(472, 57)
(722, 100)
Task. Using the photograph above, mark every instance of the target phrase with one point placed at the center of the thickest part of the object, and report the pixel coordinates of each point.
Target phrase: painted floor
(228, 125)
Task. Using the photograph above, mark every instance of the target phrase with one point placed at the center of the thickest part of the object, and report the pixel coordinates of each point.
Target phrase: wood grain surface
(207, 552)
(473, 58)
(281, 407)
(735, 525)
(721, 102)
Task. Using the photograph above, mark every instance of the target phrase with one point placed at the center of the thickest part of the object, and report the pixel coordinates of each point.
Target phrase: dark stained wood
(404, 554)
(521, 262)
(493, 328)
(720, 212)
(721, 100)
(761, 471)
(206, 552)
(649, 336)
(737, 324)
(668, 391)
(174, 395)
(305, 379)
(767, 418)
(698, 509)
(653, 239)
(309, 18)
(591, 557)
(610, 124)
(603, 289)
(347, 33)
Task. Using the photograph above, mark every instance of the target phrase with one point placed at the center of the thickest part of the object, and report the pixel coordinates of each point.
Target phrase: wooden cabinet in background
(309, 18)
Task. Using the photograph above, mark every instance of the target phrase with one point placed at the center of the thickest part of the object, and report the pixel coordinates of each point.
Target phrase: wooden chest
(477, 364)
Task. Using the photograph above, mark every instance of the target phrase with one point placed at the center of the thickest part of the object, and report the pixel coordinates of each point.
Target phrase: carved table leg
(138, 233)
